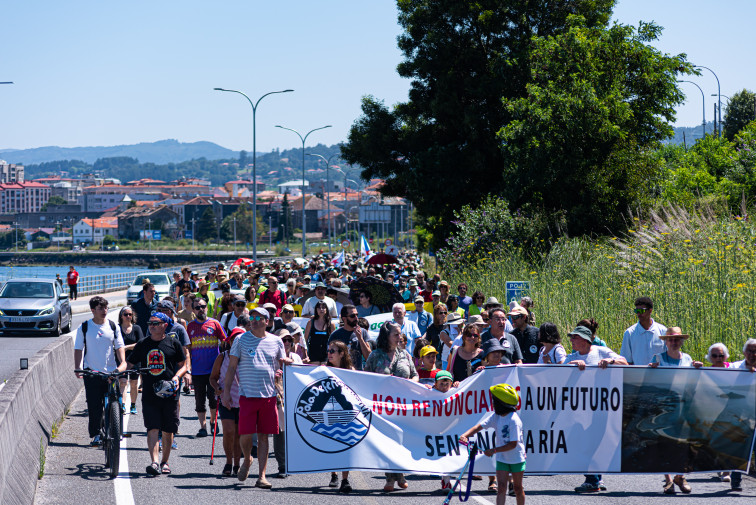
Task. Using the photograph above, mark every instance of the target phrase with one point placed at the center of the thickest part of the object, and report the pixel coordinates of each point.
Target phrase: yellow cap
(428, 349)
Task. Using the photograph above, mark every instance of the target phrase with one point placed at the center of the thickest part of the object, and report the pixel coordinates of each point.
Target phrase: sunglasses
(331, 351)
(258, 318)
(289, 340)
(515, 318)
(442, 312)
(351, 316)
(717, 355)
(155, 323)
(287, 312)
(640, 311)
(127, 314)
(200, 307)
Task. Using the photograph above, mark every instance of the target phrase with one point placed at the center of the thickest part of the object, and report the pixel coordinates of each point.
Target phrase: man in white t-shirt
(320, 296)
(228, 320)
(642, 340)
(100, 343)
(409, 328)
(258, 357)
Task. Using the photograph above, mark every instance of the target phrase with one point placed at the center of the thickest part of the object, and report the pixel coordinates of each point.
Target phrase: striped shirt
(258, 362)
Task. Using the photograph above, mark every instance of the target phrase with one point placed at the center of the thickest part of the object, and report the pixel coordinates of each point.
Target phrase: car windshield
(27, 290)
(156, 279)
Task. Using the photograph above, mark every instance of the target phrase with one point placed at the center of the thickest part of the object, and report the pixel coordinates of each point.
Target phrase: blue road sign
(516, 290)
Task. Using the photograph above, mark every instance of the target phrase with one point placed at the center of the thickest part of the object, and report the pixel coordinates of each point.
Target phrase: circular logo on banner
(533, 349)
(330, 417)
(388, 242)
(392, 250)
(345, 244)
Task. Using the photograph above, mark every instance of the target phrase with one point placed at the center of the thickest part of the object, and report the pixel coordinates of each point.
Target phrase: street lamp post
(304, 216)
(193, 220)
(703, 97)
(149, 233)
(719, 91)
(328, 184)
(234, 220)
(254, 160)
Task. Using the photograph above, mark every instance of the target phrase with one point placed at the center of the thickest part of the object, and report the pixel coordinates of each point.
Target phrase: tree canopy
(471, 62)
(740, 111)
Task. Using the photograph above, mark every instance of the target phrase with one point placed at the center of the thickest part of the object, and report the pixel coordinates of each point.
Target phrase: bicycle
(111, 430)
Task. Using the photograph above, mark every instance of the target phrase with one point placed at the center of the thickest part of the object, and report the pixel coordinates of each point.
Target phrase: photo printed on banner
(686, 420)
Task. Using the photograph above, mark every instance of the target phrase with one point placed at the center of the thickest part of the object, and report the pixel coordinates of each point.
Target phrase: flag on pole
(364, 248)
(338, 260)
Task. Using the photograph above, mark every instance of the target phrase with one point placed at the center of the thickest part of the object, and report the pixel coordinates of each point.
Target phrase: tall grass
(698, 269)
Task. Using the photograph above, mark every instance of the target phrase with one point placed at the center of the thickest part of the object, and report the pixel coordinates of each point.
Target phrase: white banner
(572, 421)
(375, 323)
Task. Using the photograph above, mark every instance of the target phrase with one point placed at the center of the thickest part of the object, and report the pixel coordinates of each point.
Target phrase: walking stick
(215, 430)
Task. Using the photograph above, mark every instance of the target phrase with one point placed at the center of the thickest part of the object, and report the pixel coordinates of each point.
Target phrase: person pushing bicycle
(99, 342)
(166, 363)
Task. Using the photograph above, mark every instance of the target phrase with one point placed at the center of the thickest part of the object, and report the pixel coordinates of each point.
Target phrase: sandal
(227, 470)
(164, 468)
(153, 469)
(493, 487)
(669, 487)
(236, 470)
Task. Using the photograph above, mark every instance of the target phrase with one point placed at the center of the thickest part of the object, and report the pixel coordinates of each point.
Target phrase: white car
(161, 281)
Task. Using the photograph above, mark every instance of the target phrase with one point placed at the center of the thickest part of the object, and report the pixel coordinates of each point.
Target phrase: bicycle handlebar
(109, 375)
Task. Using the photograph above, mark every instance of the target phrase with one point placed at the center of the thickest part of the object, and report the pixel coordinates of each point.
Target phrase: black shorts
(225, 413)
(161, 414)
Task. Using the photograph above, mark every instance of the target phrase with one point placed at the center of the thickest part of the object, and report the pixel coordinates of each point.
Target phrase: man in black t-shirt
(512, 352)
(354, 337)
(526, 335)
(166, 362)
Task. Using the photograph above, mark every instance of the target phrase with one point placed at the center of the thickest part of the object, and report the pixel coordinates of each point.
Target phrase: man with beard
(205, 335)
(166, 361)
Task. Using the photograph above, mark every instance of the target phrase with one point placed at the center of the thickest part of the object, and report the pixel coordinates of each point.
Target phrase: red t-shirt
(427, 374)
(72, 278)
(427, 295)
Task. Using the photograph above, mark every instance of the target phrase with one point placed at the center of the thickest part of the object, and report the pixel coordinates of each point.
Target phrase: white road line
(479, 499)
(122, 483)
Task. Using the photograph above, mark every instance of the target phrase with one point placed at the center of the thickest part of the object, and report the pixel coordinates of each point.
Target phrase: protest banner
(615, 420)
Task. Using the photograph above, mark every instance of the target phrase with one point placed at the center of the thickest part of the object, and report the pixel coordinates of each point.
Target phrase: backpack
(85, 326)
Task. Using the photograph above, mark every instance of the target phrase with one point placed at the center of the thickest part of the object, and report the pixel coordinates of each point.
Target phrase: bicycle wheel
(113, 449)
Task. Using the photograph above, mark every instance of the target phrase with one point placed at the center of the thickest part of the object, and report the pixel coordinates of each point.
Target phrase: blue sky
(92, 73)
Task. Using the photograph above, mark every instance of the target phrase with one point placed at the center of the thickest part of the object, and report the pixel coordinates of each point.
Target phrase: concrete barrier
(31, 401)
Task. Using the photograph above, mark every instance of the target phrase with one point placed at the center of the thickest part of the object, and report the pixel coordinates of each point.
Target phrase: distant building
(243, 188)
(132, 221)
(23, 197)
(100, 198)
(294, 188)
(92, 231)
(10, 173)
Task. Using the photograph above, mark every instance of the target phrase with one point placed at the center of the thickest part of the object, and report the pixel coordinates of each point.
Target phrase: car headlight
(46, 312)
(2, 313)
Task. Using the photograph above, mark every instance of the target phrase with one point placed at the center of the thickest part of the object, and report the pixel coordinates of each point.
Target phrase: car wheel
(56, 331)
(67, 327)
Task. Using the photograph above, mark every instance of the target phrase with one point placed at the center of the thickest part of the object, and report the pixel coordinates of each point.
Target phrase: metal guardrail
(105, 283)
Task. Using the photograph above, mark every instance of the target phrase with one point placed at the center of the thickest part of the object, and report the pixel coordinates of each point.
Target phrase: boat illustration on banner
(332, 413)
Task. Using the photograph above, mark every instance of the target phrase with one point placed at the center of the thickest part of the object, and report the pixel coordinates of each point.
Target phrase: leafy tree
(740, 111)
(108, 240)
(207, 226)
(54, 200)
(579, 142)
(440, 149)
(243, 217)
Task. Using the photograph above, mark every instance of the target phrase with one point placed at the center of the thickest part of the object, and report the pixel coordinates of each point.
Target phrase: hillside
(160, 152)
